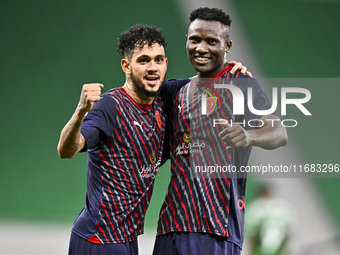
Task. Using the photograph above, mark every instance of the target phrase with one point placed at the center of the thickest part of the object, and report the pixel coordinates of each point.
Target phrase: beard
(138, 83)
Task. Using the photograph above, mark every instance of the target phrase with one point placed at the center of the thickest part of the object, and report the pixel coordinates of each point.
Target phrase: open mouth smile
(152, 79)
(201, 60)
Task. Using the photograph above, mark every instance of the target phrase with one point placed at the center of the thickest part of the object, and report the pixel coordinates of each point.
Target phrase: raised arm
(270, 135)
(71, 140)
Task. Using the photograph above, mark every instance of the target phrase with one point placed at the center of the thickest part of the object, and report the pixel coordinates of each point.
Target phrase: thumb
(226, 124)
(223, 122)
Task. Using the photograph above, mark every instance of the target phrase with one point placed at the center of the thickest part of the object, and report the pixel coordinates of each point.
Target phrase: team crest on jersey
(186, 136)
(158, 119)
(211, 104)
(153, 157)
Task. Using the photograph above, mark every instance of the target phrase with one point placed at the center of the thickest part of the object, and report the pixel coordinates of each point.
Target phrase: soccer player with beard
(123, 131)
(203, 212)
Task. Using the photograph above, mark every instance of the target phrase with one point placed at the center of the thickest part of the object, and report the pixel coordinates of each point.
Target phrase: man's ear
(125, 64)
(228, 45)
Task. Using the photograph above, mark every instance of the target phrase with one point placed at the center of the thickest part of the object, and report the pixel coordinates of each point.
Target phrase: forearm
(271, 135)
(71, 140)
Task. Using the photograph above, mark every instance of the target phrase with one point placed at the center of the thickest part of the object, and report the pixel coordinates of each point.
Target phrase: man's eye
(212, 42)
(143, 61)
(194, 40)
(159, 60)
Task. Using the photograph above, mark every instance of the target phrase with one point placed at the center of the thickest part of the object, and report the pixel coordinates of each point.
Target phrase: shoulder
(170, 88)
(113, 92)
(244, 81)
(172, 82)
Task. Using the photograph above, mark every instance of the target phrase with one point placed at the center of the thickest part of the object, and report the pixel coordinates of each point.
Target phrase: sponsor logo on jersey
(136, 123)
(180, 107)
(187, 148)
(153, 157)
(149, 171)
(186, 136)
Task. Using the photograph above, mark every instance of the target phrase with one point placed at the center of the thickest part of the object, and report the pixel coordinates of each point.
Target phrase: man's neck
(133, 92)
(211, 74)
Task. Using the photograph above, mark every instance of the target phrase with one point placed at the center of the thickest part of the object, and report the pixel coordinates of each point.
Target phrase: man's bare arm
(271, 135)
(71, 140)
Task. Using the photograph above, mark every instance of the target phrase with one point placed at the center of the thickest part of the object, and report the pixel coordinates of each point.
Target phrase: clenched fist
(235, 136)
(90, 93)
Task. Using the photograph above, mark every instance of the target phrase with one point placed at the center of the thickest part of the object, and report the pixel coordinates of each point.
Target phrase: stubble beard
(142, 88)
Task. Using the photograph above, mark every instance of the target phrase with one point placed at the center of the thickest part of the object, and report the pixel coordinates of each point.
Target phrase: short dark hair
(137, 37)
(212, 14)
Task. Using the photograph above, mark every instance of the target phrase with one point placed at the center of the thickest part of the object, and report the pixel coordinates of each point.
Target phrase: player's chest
(139, 124)
(200, 109)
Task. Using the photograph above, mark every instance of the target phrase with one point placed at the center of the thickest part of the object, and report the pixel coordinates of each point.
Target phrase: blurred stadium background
(50, 48)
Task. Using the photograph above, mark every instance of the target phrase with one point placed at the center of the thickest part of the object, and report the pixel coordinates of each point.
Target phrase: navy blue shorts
(79, 246)
(193, 244)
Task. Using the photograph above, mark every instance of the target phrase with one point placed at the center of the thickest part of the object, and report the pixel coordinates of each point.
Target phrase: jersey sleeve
(99, 122)
(169, 91)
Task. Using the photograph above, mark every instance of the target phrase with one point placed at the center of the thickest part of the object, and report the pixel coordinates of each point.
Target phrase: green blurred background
(50, 48)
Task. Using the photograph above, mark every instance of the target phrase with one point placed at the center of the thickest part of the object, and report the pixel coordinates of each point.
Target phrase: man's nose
(202, 47)
(152, 66)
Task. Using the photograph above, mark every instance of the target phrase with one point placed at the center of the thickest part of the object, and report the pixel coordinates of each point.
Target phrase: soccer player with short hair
(123, 131)
(203, 212)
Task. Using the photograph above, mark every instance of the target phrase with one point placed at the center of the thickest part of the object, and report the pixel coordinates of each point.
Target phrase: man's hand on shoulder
(238, 65)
